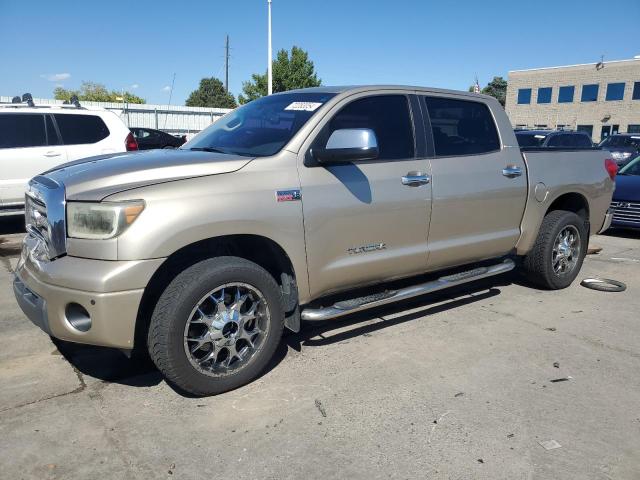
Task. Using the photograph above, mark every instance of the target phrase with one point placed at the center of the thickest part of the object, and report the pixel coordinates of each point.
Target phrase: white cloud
(56, 77)
(134, 86)
(166, 88)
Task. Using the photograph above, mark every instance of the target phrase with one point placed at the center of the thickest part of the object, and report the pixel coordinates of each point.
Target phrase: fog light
(78, 317)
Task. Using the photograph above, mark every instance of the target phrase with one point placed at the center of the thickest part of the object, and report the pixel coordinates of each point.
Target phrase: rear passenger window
(388, 116)
(81, 129)
(461, 127)
(22, 130)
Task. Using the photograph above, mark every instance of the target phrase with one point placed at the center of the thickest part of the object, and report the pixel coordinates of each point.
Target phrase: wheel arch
(572, 202)
(259, 249)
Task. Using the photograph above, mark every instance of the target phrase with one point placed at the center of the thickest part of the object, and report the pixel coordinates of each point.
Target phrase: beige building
(600, 98)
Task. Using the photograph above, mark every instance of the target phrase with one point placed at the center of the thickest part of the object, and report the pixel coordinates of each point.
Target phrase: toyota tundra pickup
(283, 210)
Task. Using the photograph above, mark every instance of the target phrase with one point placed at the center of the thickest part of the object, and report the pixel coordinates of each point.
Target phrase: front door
(479, 187)
(362, 224)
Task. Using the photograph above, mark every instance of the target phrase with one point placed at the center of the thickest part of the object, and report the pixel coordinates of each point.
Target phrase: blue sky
(138, 45)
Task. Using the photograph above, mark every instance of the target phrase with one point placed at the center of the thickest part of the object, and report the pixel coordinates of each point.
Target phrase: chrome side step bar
(363, 303)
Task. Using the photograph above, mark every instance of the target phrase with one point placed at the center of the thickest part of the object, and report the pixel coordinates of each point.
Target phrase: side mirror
(348, 144)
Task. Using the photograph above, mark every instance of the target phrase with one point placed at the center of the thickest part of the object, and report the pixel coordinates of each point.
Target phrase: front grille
(45, 215)
(626, 211)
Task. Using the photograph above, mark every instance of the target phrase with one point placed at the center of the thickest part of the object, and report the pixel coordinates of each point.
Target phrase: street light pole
(269, 73)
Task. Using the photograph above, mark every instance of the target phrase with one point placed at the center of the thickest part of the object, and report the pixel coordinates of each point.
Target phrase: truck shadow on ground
(319, 334)
(112, 366)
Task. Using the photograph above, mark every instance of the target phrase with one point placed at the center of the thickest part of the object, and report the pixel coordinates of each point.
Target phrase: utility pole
(226, 65)
(269, 73)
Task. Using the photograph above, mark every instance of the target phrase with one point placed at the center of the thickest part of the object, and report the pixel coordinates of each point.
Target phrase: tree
(496, 88)
(211, 93)
(96, 92)
(290, 71)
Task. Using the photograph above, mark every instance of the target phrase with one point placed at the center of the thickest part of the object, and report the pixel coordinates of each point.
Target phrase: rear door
(83, 135)
(362, 224)
(29, 145)
(479, 187)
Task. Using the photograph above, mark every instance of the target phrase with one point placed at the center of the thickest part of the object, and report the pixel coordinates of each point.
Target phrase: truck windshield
(261, 127)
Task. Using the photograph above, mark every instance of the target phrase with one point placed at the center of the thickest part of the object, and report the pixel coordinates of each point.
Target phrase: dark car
(148, 139)
(623, 146)
(553, 139)
(626, 197)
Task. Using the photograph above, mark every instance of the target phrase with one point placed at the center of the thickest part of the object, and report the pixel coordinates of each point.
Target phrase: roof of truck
(364, 88)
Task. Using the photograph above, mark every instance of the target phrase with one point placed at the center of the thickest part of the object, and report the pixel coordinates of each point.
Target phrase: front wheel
(557, 255)
(216, 326)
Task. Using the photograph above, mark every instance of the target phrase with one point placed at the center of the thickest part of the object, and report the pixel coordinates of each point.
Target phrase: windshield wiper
(208, 149)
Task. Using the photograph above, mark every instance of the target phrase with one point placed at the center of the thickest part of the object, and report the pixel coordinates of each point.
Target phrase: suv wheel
(216, 326)
(556, 257)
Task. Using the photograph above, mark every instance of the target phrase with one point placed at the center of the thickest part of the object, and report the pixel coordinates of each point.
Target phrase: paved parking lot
(457, 386)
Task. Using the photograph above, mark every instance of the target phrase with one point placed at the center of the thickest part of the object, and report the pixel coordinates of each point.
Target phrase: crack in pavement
(81, 387)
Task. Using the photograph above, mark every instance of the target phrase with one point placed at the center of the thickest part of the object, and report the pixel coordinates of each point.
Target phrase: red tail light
(130, 143)
(611, 167)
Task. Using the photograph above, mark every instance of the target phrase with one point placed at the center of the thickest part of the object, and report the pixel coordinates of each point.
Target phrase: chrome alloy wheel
(226, 329)
(566, 250)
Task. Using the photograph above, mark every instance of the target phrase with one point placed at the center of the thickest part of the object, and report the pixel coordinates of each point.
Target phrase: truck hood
(94, 178)
(627, 188)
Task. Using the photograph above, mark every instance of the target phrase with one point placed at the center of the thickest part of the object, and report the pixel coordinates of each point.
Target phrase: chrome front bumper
(109, 291)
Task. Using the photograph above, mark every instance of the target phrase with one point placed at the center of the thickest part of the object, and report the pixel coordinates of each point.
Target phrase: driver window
(388, 116)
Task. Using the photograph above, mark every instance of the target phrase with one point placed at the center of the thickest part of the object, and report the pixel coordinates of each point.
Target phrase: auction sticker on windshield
(304, 106)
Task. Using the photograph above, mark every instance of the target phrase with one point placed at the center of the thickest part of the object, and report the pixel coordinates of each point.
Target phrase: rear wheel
(557, 255)
(216, 326)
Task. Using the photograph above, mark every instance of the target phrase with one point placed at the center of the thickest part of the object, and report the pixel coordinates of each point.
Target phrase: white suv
(34, 139)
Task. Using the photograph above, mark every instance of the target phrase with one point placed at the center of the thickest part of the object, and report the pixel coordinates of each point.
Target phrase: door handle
(415, 179)
(511, 171)
(52, 154)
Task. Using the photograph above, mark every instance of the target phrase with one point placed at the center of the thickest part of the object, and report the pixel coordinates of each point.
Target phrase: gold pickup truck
(285, 208)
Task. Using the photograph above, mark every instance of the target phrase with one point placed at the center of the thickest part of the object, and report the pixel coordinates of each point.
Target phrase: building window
(565, 94)
(633, 128)
(615, 91)
(636, 91)
(524, 96)
(585, 128)
(544, 95)
(590, 93)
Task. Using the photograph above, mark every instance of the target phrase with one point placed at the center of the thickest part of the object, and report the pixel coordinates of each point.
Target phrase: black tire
(538, 262)
(166, 337)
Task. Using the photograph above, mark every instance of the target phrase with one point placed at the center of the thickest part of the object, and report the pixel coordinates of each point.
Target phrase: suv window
(388, 116)
(581, 141)
(52, 135)
(22, 130)
(81, 129)
(461, 127)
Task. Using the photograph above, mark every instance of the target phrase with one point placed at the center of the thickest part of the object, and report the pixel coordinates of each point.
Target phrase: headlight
(101, 221)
